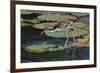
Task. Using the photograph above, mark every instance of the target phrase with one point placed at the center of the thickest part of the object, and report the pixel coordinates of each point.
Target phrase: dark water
(31, 36)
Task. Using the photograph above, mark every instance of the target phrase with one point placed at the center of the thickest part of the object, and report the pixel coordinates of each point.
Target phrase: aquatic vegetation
(82, 42)
(76, 31)
(79, 14)
(46, 25)
(29, 22)
(40, 48)
(39, 40)
(26, 11)
(55, 17)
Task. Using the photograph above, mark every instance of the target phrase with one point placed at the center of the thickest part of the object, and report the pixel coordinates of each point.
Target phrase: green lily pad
(79, 14)
(55, 17)
(48, 25)
(26, 11)
(58, 34)
(80, 25)
(26, 24)
(38, 48)
(29, 22)
(78, 29)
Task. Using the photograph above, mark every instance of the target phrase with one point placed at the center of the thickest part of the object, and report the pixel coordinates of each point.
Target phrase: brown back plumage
(62, 24)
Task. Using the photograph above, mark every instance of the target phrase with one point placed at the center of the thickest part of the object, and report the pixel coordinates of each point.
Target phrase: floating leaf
(78, 29)
(79, 14)
(38, 48)
(26, 24)
(80, 25)
(29, 22)
(76, 32)
(41, 48)
(55, 17)
(48, 25)
(26, 11)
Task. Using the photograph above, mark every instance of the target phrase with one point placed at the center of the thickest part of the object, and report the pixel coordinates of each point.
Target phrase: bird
(62, 26)
(59, 26)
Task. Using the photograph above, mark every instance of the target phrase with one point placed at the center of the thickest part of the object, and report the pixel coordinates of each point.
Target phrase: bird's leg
(73, 38)
(65, 44)
(66, 40)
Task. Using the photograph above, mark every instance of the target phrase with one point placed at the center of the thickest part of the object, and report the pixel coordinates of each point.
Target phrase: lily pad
(40, 48)
(29, 22)
(26, 24)
(79, 14)
(37, 48)
(80, 25)
(48, 25)
(78, 29)
(58, 34)
(26, 11)
(55, 17)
